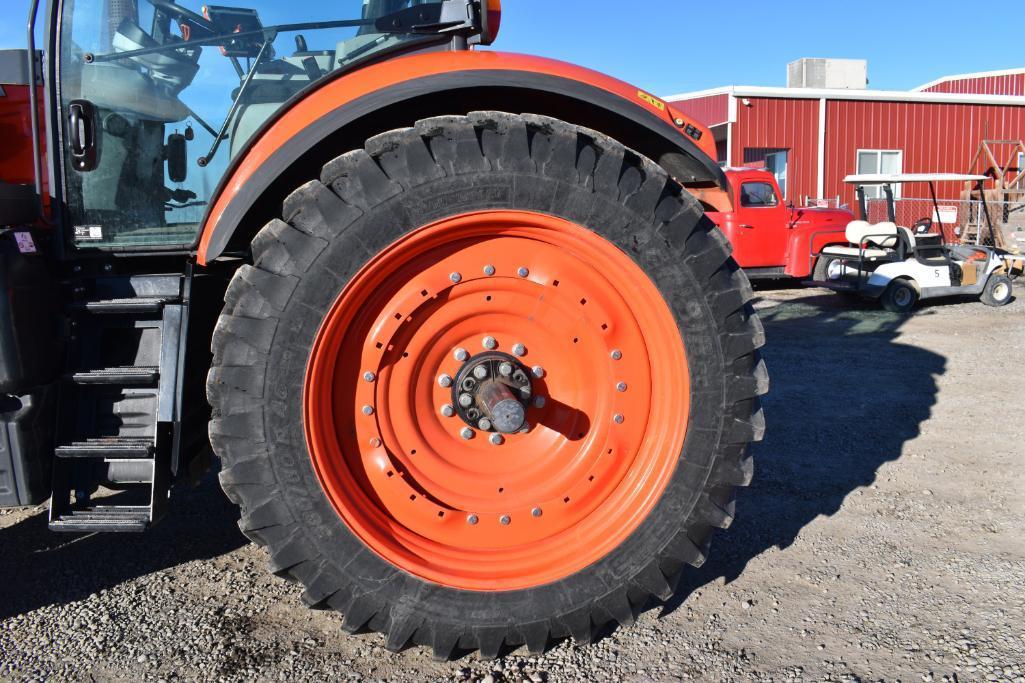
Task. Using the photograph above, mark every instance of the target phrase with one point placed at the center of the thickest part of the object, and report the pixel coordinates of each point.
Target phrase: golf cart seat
(882, 237)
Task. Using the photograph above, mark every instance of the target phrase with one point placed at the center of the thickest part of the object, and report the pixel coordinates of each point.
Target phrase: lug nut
(538, 371)
(472, 519)
(484, 424)
(465, 400)
(489, 343)
(519, 350)
(539, 402)
(489, 270)
(467, 433)
(618, 418)
(461, 355)
(505, 369)
(617, 355)
(505, 519)
(523, 272)
(496, 439)
(456, 278)
(536, 512)
(375, 443)
(369, 376)
(481, 372)
(445, 381)
(447, 410)
(368, 410)
(621, 387)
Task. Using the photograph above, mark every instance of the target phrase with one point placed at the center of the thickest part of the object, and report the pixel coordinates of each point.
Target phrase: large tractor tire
(491, 381)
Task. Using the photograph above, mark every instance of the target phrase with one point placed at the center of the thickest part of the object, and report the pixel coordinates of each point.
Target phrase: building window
(888, 161)
(776, 163)
(758, 195)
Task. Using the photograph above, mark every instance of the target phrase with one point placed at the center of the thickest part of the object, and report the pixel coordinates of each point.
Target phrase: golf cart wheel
(998, 291)
(490, 382)
(900, 296)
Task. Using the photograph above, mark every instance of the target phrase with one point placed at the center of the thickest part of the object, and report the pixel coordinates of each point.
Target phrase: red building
(811, 138)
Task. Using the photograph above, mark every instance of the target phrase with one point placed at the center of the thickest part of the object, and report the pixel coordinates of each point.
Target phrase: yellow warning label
(652, 100)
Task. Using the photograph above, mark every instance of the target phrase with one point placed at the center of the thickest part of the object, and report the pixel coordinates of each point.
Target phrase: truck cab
(771, 238)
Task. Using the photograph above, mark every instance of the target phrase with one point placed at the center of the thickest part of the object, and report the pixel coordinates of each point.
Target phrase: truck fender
(340, 113)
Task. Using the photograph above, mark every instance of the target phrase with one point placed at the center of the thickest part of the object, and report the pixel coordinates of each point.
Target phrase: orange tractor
(477, 378)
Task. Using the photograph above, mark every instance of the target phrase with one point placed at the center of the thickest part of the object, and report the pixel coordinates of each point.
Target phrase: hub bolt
(465, 400)
(539, 402)
(375, 443)
(621, 387)
(472, 519)
(505, 369)
(481, 372)
(484, 424)
(536, 512)
(523, 272)
(505, 519)
(538, 371)
(489, 270)
(467, 433)
(496, 439)
(617, 355)
(447, 410)
(369, 376)
(519, 350)
(489, 343)
(618, 418)
(445, 381)
(456, 278)
(368, 410)
(461, 354)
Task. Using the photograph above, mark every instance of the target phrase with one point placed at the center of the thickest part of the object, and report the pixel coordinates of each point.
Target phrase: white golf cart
(901, 265)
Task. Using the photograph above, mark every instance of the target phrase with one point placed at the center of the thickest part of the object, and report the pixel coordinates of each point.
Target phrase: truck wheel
(490, 382)
(821, 272)
(900, 296)
(998, 291)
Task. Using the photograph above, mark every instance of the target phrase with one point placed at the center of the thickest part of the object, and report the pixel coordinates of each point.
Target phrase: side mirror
(177, 158)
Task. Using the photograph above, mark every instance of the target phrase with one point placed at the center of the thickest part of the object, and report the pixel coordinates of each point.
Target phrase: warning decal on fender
(652, 100)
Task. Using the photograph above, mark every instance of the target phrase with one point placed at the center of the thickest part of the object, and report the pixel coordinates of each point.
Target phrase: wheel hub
(492, 392)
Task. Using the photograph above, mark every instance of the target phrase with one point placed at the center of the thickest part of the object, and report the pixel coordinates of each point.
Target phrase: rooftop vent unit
(845, 74)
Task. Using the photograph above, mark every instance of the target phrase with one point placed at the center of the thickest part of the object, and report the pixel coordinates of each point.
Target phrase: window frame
(785, 185)
(869, 190)
(759, 206)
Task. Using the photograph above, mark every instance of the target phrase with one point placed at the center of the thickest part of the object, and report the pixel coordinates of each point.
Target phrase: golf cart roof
(898, 178)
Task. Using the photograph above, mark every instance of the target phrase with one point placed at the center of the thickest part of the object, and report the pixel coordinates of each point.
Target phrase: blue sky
(670, 46)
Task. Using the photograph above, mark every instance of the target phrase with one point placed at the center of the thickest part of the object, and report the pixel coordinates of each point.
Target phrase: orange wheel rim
(606, 415)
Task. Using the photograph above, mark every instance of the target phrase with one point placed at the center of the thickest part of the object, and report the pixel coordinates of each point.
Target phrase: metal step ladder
(119, 423)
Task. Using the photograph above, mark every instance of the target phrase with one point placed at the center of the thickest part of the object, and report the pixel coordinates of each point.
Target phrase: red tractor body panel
(771, 234)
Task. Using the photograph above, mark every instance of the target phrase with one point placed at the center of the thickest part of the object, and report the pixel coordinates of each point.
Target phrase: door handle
(82, 139)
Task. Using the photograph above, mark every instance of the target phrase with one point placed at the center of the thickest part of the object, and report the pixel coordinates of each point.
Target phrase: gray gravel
(882, 540)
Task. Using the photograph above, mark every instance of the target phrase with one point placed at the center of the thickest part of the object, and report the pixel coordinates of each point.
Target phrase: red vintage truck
(771, 238)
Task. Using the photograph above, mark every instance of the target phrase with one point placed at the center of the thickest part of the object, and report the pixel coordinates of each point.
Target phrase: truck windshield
(176, 90)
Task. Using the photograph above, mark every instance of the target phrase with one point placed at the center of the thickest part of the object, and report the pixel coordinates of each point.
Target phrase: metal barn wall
(1007, 84)
(766, 125)
(940, 138)
(711, 110)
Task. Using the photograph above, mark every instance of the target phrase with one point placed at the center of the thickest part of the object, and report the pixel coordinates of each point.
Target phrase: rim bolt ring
(467, 433)
(445, 381)
(369, 376)
(480, 372)
(456, 278)
(447, 410)
(536, 512)
(484, 424)
(489, 270)
(472, 520)
(538, 371)
(505, 369)
(519, 350)
(489, 343)
(505, 520)
(617, 355)
(621, 387)
(496, 439)
(368, 410)
(465, 400)
(618, 418)
(523, 272)
(461, 354)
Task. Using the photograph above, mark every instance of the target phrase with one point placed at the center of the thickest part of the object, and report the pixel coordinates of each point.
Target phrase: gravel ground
(881, 540)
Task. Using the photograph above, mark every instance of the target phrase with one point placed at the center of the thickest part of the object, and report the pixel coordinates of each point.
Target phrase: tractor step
(124, 376)
(114, 448)
(107, 518)
(121, 306)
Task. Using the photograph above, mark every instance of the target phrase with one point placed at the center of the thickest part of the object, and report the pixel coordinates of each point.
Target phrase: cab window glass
(758, 195)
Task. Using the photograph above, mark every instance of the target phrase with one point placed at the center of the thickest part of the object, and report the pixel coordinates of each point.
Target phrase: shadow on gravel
(40, 568)
(844, 400)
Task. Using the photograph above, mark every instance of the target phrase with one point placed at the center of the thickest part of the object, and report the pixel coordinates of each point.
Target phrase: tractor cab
(901, 264)
(161, 97)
